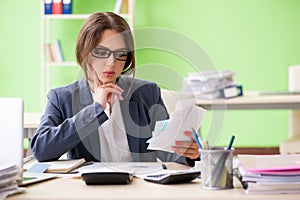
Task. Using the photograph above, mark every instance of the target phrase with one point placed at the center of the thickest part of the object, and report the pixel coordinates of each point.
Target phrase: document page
(187, 116)
(136, 168)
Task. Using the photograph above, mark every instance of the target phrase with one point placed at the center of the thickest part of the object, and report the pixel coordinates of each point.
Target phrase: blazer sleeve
(59, 133)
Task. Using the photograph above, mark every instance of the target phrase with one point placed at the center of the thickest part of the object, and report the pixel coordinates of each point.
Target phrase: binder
(66, 6)
(47, 7)
(232, 91)
(57, 7)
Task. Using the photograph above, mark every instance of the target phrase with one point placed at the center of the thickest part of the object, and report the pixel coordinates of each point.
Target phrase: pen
(162, 164)
(28, 159)
(197, 139)
(230, 142)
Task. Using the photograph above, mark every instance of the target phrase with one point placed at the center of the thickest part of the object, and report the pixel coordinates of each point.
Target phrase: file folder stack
(212, 84)
(10, 175)
(269, 174)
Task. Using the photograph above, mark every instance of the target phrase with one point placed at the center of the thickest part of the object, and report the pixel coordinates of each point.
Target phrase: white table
(32, 120)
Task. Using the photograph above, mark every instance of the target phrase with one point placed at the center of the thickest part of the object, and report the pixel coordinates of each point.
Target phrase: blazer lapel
(85, 95)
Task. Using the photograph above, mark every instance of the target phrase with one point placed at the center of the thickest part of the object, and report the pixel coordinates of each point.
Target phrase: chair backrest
(171, 98)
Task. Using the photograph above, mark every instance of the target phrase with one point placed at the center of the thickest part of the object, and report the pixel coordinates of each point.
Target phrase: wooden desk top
(75, 188)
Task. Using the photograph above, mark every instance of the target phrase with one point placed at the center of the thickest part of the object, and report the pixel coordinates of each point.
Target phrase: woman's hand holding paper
(187, 148)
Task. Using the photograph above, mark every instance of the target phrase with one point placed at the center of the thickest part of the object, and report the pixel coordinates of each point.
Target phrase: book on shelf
(118, 6)
(60, 49)
(66, 6)
(124, 7)
(57, 7)
(264, 174)
(55, 51)
(121, 7)
(47, 7)
(48, 51)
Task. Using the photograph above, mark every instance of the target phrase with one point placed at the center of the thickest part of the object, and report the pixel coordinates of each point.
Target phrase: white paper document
(136, 168)
(186, 116)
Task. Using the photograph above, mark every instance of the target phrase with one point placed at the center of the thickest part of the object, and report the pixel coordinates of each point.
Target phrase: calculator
(106, 178)
(173, 178)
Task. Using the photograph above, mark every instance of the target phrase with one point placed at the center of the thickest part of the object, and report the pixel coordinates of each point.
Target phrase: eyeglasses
(100, 52)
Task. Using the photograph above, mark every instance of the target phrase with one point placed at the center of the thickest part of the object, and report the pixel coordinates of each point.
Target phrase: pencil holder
(216, 168)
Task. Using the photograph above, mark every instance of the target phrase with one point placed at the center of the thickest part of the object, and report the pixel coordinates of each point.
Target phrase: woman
(106, 116)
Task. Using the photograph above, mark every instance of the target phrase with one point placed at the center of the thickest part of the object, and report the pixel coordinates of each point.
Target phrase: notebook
(11, 142)
(60, 166)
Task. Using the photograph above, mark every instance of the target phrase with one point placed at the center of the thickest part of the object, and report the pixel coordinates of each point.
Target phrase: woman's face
(108, 58)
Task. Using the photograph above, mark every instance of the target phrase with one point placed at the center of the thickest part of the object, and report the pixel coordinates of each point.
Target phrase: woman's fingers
(187, 144)
(187, 148)
(190, 152)
(187, 152)
(111, 88)
(104, 93)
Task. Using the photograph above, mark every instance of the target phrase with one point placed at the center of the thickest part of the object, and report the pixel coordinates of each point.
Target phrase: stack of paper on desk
(185, 117)
(270, 173)
(10, 175)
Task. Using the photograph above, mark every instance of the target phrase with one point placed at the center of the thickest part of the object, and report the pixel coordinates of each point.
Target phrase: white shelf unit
(45, 65)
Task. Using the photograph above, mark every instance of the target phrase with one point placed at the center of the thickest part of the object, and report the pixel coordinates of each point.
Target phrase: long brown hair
(90, 34)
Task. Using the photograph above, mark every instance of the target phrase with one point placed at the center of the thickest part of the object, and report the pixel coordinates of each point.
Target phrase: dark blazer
(71, 120)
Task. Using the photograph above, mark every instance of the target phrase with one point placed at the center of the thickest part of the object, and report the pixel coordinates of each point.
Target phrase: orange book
(124, 7)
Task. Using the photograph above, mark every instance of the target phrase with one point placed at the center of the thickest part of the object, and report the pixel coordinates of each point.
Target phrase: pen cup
(216, 168)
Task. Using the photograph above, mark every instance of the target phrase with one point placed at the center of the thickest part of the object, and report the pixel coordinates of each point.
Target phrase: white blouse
(112, 135)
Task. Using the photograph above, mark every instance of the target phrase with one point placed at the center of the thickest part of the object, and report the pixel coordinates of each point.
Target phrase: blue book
(60, 51)
(48, 7)
(67, 6)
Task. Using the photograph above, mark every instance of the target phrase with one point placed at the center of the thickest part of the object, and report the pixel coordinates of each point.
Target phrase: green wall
(257, 39)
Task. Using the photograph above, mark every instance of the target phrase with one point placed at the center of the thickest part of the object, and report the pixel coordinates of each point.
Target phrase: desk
(32, 120)
(254, 101)
(75, 188)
